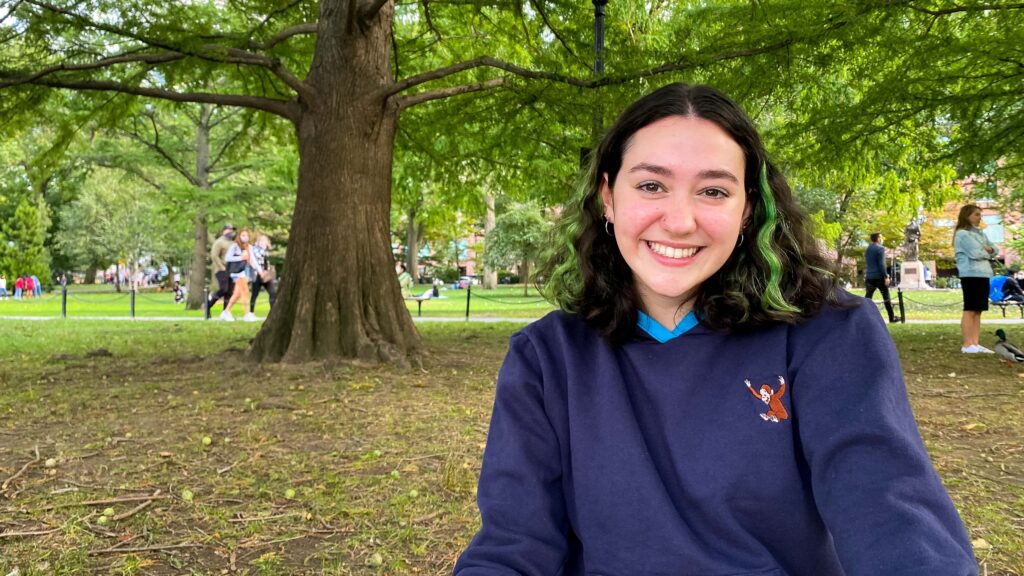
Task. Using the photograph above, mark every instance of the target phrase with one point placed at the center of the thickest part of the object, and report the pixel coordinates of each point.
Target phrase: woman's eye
(650, 187)
(715, 193)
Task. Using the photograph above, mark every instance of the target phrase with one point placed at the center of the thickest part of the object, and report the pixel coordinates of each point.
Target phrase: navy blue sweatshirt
(657, 458)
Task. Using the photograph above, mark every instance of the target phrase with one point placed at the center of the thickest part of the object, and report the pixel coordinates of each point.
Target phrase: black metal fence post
(469, 296)
(903, 313)
(132, 314)
(63, 301)
(206, 302)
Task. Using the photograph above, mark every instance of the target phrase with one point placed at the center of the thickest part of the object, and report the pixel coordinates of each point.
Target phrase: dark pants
(873, 284)
(268, 286)
(224, 288)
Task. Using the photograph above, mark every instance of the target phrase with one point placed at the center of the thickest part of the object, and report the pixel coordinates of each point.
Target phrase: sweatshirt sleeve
(873, 481)
(524, 521)
(233, 254)
(971, 246)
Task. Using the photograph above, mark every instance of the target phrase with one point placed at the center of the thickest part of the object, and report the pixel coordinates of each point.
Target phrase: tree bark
(524, 272)
(412, 244)
(197, 278)
(490, 274)
(90, 274)
(339, 296)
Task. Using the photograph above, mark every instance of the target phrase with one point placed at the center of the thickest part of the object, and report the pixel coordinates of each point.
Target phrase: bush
(447, 274)
(506, 277)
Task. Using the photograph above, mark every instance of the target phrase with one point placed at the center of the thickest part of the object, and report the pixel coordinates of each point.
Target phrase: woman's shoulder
(849, 313)
(557, 326)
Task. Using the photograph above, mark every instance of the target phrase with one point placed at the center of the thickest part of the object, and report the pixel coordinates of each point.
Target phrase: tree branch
(11, 11)
(106, 162)
(284, 108)
(429, 95)
(305, 28)
(487, 61)
(156, 147)
(208, 52)
(227, 144)
(372, 10)
(539, 6)
(113, 60)
(229, 172)
(956, 9)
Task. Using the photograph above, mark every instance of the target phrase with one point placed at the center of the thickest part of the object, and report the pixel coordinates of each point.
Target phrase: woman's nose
(679, 216)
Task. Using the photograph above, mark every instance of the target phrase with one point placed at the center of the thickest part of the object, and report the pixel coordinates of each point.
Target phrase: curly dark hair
(779, 275)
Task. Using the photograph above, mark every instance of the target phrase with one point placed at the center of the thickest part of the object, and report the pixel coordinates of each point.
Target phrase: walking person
(19, 287)
(707, 400)
(974, 252)
(3, 287)
(37, 287)
(875, 276)
(266, 279)
(220, 274)
(241, 266)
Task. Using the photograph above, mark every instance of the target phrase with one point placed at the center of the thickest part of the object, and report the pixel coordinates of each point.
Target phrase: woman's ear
(748, 211)
(606, 199)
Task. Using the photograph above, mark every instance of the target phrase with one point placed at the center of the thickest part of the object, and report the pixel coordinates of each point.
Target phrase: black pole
(903, 313)
(64, 301)
(469, 295)
(133, 302)
(206, 303)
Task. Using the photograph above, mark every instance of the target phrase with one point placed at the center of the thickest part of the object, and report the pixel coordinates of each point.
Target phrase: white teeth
(674, 253)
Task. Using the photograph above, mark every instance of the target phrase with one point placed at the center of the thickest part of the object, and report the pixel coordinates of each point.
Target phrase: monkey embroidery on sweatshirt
(773, 398)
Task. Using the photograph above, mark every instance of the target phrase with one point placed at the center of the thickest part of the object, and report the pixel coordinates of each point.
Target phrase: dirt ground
(170, 453)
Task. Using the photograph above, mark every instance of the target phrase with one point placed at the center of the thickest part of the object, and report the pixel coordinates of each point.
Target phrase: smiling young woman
(706, 402)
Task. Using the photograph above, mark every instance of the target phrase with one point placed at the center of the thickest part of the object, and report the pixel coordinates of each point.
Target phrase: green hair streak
(773, 299)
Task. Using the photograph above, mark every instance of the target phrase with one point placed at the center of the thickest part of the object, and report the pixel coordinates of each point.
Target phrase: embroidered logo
(773, 398)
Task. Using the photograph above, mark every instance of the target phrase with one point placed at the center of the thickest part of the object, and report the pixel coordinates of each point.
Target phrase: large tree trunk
(524, 273)
(197, 275)
(339, 296)
(490, 274)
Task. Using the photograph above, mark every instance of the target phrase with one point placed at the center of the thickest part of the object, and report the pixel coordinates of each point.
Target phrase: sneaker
(972, 349)
(226, 316)
(250, 317)
(983, 350)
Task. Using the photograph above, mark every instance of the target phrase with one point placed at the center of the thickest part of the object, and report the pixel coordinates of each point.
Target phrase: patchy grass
(344, 468)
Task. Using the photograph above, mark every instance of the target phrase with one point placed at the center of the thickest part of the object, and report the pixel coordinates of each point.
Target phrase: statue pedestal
(912, 276)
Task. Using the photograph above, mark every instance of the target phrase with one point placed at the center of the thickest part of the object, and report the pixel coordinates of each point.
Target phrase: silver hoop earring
(740, 241)
(606, 230)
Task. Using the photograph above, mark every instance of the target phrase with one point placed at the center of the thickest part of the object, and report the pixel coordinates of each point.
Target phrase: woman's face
(677, 207)
(244, 237)
(975, 218)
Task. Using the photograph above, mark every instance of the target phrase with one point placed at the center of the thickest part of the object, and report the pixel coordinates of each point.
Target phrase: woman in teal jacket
(973, 252)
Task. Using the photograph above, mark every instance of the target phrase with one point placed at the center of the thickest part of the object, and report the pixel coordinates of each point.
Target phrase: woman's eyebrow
(653, 168)
(713, 174)
(718, 175)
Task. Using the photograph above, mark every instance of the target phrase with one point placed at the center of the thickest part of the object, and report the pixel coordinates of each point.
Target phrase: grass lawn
(103, 300)
(503, 302)
(343, 468)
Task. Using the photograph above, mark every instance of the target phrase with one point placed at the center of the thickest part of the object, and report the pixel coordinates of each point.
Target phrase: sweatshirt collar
(663, 334)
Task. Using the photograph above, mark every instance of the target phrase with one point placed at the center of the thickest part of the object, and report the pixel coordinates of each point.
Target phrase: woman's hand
(990, 249)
